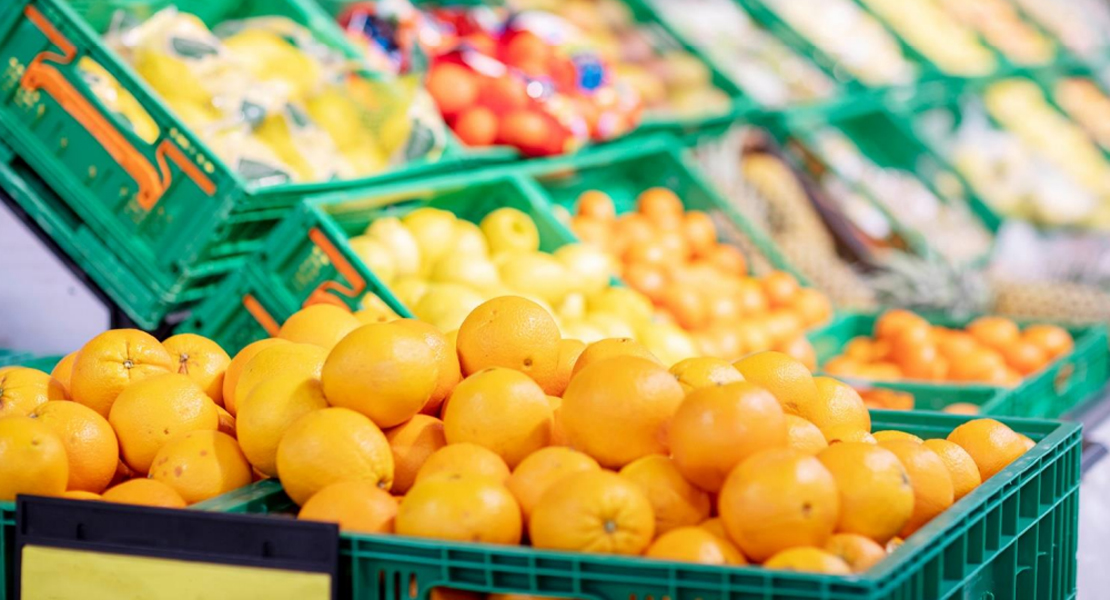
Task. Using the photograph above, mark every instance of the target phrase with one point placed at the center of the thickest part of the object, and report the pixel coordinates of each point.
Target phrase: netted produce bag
(758, 182)
(274, 102)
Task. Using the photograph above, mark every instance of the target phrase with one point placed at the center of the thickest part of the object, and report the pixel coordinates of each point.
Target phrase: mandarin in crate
(596, 204)
(1053, 340)
(462, 509)
(457, 460)
(894, 321)
(452, 86)
(675, 501)
(876, 496)
(618, 409)
(787, 379)
(696, 545)
(112, 361)
(593, 511)
(778, 499)
(356, 506)
(992, 445)
(716, 428)
(699, 231)
(476, 126)
(1024, 357)
(780, 287)
(543, 469)
(812, 307)
(661, 206)
(933, 491)
(90, 443)
(995, 332)
(727, 259)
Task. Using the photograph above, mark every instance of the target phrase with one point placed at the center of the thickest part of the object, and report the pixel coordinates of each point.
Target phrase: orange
(977, 365)
(593, 511)
(729, 260)
(876, 496)
(269, 410)
(960, 465)
(933, 491)
(780, 287)
(542, 470)
(145, 492)
(859, 552)
(962, 408)
(356, 506)
(894, 544)
(227, 422)
(777, 499)
(897, 320)
(995, 332)
(286, 358)
(609, 348)
(954, 345)
(569, 351)
(848, 434)
(90, 443)
(650, 280)
(836, 407)
(800, 350)
(715, 526)
(514, 333)
(618, 409)
(696, 545)
(112, 361)
(661, 206)
(477, 126)
(235, 369)
(674, 500)
(453, 87)
(463, 460)
(749, 293)
(203, 360)
(412, 442)
(916, 357)
(331, 445)
(32, 459)
(558, 435)
(500, 409)
(596, 204)
(1027, 442)
(782, 326)
(688, 306)
(860, 348)
(891, 435)
(151, 412)
(804, 436)
(808, 559)
(630, 229)
(22, 390)
(696, 373)
(64, 370)
(460, 508)
(445, 357)
(386, 371)
(787, 379)
(842, 366)
(717, 428)
(699, 231)
(200, 465)
(80, 495)
(813, 307)
(1024, 357)
(1054, 341)
(723, 309)
(991, 444)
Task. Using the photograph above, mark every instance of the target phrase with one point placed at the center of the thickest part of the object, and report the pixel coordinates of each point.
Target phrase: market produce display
(672, 256)
(944, 40)
(276, 103)
(991, 350)
(1000, 25)
(768, 70)
(1081, 25)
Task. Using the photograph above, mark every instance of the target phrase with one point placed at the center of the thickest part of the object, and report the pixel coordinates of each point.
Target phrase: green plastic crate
(9, 358)
(172, 209)
(1015, 536)
(308, 259)
(623, 170)
(1066, 383)
(881, 136)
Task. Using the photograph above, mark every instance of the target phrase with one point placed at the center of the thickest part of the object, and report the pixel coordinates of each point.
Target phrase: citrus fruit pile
(441, 267)
(990, 350)
(506, 432)
(673, 257)
(123, 419)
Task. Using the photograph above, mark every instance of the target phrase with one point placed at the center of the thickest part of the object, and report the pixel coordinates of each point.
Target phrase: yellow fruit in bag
(269, 57)
(303, 146)
(116, 99)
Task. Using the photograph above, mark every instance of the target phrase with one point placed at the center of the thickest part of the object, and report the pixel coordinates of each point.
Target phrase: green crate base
(1063, 385)
(1013, 537)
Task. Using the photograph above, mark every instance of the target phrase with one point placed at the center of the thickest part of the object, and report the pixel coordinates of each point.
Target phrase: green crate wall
(1064, 384)
(193, 212)
(1015, 536)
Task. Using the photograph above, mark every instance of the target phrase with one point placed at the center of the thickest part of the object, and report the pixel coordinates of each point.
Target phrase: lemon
(473, 271)
(409, 290)
(591, 267)
(469, 239)
(434, 231)
(510, 230)
(635, 306)
(401, 243)
(446, 305)
(538, 274)
(667, 342)
(376, 256)
(269, 57)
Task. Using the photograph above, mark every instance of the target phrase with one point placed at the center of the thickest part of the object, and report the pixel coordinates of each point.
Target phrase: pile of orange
(990, 350)
(501, 432)
(672, 255)
(124, 419)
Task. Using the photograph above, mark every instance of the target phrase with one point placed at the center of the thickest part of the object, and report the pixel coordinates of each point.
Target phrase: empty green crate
(171, 208)
(1063, 385)
(1015, 536)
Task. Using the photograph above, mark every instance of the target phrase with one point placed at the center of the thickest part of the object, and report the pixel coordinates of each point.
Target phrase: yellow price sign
(80, 550)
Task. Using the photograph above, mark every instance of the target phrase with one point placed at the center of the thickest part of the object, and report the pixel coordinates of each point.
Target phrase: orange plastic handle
(152, 182)
(321, 294)
(260, 314)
